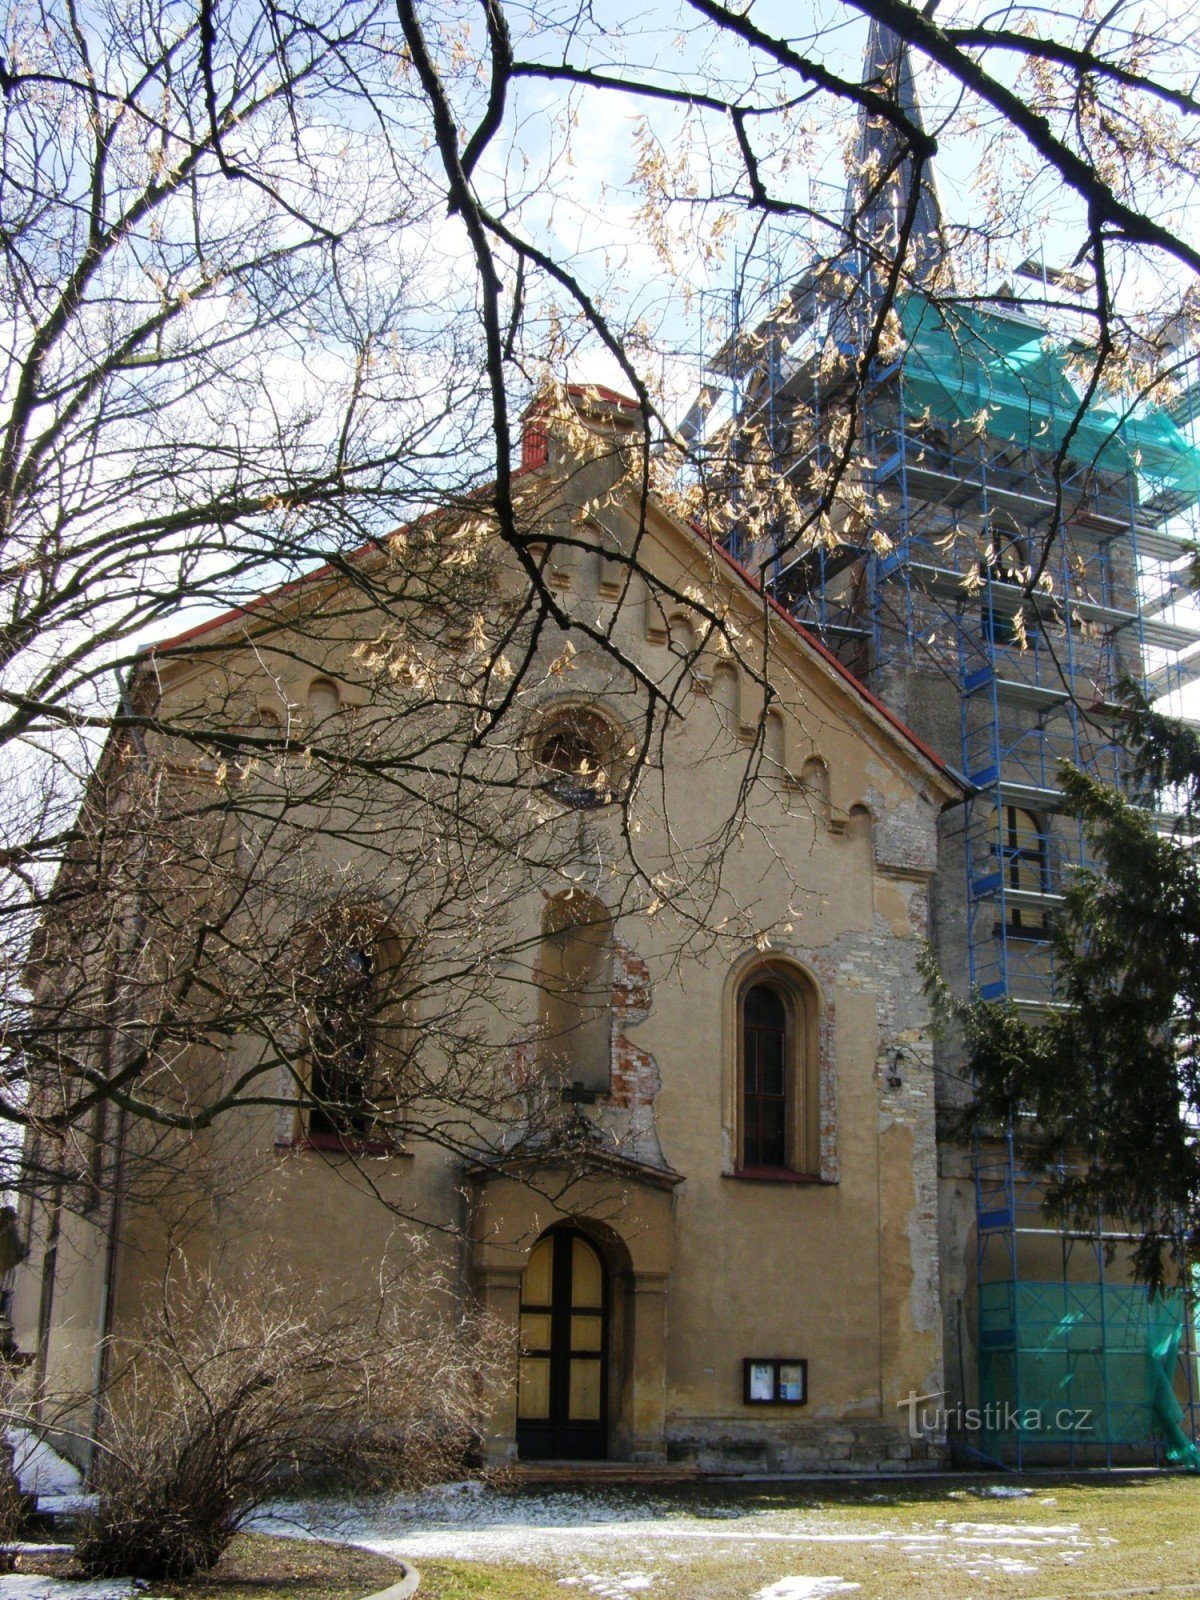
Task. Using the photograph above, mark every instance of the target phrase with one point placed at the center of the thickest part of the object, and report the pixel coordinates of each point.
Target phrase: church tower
(911, 470)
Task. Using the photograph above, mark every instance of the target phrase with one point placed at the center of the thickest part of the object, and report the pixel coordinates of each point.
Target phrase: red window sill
(772, 1175)
(341, 1146)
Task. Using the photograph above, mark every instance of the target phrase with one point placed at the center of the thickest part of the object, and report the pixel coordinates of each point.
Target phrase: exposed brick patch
(636, 1080)
(632, 991)
(905, 836)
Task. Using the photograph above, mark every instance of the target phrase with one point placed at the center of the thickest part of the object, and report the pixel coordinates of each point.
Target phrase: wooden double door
(562, 1396)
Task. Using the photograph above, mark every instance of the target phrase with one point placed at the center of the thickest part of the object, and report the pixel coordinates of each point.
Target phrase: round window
(576, 752)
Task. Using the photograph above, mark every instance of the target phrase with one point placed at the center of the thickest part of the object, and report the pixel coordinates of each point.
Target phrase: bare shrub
(227, 1393)
(12, 1507)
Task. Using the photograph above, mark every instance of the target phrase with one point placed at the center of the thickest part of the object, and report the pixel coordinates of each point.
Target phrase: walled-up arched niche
(814, 780)
(726, 696)
(774, 766)
(324, 701)
(575, 996)
(682, 635)
(612, 574)
(859, 830)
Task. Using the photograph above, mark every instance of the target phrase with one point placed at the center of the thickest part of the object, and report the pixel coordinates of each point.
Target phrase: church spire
(878, 195)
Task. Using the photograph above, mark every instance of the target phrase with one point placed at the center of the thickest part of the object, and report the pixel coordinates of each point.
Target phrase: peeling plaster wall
(930, 703)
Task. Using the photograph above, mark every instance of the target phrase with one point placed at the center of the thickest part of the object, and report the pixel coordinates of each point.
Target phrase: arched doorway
(562, 1396)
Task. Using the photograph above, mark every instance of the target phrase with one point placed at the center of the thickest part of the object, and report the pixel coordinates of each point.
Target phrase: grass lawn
(1057, 1537)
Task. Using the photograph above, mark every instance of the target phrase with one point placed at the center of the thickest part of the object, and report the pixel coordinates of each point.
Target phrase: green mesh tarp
(1082, 1364)
(1007, 378)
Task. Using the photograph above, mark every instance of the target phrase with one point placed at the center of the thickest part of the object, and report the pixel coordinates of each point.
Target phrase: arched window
(577, 749)
(777, 1078)
(1006, 563)
(340, 1043)
(575, 1001)
(356, 1027)
(764, 1077)
(1026, 870)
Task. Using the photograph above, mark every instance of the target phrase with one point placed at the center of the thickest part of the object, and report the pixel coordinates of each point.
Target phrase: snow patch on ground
(27, 1586)
(805, 1589)
(616, 1543)
(42, 1471)
(612, 1587)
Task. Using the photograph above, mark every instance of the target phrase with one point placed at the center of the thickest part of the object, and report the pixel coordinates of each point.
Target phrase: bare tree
(276, 283)
(238, 343)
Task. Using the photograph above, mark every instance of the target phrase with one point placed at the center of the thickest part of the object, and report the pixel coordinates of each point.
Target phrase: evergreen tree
(1104, 1094)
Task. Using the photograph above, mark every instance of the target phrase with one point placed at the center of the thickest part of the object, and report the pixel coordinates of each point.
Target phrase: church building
(702, 1196)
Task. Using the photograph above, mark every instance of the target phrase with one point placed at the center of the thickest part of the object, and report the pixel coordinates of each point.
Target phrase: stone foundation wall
(849, 1447)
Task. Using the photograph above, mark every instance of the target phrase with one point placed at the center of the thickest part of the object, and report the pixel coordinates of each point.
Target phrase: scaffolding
(971, 446)
(1073, 1367)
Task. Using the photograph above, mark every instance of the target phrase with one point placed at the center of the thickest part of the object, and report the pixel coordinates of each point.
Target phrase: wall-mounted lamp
(895, 1079)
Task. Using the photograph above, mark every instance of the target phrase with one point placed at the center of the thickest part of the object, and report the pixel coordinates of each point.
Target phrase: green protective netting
(1163, 1359)
(1085, 1364)
(964, 366)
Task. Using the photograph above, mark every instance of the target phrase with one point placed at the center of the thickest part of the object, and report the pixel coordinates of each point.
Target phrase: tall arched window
(357, 1033)
(764, 1077)
(340, 1042)
(1006, 562)
(575, 1001)
(778, 1081)
(1026, 869)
